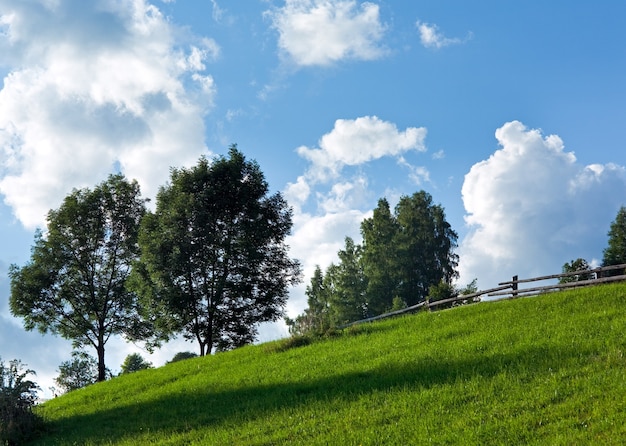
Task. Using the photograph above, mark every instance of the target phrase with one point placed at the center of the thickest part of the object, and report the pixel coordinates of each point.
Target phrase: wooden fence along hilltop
(511, 289)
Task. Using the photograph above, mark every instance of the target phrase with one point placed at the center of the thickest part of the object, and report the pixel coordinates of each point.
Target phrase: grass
(542, 370)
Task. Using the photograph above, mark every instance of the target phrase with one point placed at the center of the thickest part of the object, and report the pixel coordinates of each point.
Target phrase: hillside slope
(542, 370)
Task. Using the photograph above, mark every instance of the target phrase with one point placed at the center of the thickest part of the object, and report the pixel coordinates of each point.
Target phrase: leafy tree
(441, 291)
(348, 301)
(379, 258)
(425, 245)
(615, 252)
(214, 260)
(180, 356)
(316, 317)
(135, 362)
(78, 372)
(74, 284)
(574, 266)
(17, 397)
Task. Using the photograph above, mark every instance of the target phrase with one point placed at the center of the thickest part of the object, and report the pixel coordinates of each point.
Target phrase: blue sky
(510, 114)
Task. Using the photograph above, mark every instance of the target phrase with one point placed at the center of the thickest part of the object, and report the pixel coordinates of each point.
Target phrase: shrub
(79, 372)
(181, 356)
(17, 397)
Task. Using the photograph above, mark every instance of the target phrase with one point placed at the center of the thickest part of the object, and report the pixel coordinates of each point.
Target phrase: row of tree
(209, 263)
(404, 254)
(406, 257)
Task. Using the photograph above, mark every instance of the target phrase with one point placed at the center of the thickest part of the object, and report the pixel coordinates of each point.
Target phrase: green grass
(548, 370)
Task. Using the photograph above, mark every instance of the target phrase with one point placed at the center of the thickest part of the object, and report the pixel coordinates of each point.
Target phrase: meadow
(543, 370)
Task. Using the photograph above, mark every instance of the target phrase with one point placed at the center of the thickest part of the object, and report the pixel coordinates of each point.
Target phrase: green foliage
(316, 319)
(348, 301)
(403, 254)
(214, 261)
(575, 266)
(379, 258)
(536, 371)
(18, 395)
(79, 372)
(135, 362)
(615, 252)
(398, 304)
(470, 288)
(180, 356)
(75, 282)
(425, 246)
(441, 291)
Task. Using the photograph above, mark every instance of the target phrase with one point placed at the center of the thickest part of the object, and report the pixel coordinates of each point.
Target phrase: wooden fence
(511, 290)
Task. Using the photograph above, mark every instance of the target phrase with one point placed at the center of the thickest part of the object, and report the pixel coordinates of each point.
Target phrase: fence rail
(511, 290)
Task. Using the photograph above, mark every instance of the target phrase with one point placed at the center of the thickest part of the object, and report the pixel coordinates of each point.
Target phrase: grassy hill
(546, 370)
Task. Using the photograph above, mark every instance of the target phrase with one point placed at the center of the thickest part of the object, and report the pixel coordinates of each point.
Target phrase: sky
(510, 114)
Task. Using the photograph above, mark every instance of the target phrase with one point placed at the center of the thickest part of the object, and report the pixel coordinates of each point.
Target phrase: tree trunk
(101, 366)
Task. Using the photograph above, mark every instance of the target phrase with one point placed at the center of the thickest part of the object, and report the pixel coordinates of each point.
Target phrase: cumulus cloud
(95, 86)
(322, 32)
(356, 141)
(431, 37)
(531, 207)
(341, 202)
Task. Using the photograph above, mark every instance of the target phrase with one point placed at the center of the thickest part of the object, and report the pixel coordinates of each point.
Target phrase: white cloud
(94, 85)
(431, 37)
(417, 174)
(341, 204)
(531, 207)
(322, 32)
(354, 142)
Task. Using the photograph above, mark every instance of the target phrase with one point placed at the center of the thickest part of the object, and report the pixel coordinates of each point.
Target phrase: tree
(214, 261)
(425, 245)
(574, 266)
(615, 252)
(379, 258)
(18, 395)
(75, 282)
(135, 362)
(316, 318)
(348, 301)
(407, 252)
(78, 372)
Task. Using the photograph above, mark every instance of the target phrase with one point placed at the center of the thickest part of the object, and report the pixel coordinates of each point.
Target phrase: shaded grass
(544, 370)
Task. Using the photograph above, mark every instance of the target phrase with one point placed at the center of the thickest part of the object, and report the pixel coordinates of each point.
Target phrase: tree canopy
(615, 252)
(405, 257)
(214, 261)
(75, 282)
(135, 362)
(78, 372)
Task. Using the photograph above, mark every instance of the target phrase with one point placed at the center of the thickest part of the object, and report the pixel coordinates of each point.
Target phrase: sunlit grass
(543, 370)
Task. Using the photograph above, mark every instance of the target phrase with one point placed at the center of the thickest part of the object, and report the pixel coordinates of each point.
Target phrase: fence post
(514, 286)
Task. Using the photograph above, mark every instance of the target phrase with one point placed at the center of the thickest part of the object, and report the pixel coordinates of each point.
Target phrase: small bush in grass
(180, 356)
(17, 397)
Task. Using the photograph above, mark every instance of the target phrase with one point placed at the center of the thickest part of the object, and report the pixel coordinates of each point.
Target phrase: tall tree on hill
(379, 257)
(425, 245)
(316, 317)
(348, 301)
(214, 261)
(615, 252)
(74, 284)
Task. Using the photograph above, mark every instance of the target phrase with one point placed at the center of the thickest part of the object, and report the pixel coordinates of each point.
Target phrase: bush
(180, 356)
(135, 362)
(17, 397)
(79, 372)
